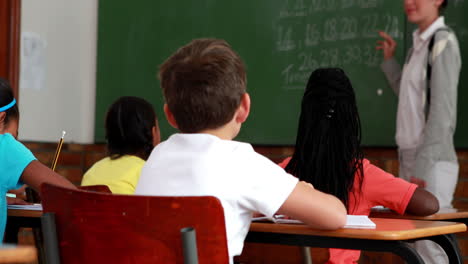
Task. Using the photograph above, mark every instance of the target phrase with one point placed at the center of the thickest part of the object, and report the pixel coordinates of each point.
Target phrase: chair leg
(50, 238)
(39, 242)
(189, 245)
(307, 257)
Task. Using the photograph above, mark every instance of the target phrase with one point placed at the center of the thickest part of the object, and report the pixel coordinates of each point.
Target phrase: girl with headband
(17, 164)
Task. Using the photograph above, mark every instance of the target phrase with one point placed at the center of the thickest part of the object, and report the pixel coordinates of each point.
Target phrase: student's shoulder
(244, 151)
(372, 173)
(7, 138)
(14, 148)
(253, 162)
(131, 160)
(97, 165)
(238, 146)
(373, 176)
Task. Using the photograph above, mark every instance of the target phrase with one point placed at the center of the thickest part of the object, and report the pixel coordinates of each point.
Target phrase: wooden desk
(444, 214)
(17, 254)
(17, 218)
(24, 213)
(391, 235)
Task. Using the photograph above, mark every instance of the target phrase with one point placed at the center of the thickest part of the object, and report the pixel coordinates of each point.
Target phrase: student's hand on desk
(13, 200)
(420, 182)
(20, 192)
(20, 196)
(387, 45)
(315, 208)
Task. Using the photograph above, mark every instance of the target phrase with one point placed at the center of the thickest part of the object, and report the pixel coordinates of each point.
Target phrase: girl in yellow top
(131, 133)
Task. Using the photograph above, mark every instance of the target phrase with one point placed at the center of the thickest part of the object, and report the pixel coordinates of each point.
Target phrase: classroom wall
(58, 66)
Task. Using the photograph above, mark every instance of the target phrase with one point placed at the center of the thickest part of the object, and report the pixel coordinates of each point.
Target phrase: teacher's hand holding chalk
(387, 45)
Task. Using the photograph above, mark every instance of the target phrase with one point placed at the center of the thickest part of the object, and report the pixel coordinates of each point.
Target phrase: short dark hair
(203, 83)
(129, 123)
(443, 5)
(6, 97)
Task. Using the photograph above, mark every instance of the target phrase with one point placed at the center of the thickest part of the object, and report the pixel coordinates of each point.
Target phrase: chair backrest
(96, 227)
(96, 188)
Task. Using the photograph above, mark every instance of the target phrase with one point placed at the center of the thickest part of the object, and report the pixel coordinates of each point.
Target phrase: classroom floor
(25, 237)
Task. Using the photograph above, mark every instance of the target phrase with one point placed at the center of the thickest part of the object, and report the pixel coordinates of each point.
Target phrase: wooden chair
(96, 188)
(96, 227)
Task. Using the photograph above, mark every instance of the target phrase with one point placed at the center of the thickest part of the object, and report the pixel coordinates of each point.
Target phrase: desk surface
(24, 213)
(443, 214)
(387, 229)
(17, 254)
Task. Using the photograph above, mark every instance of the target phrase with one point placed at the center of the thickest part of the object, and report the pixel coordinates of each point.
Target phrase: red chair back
(105, 228)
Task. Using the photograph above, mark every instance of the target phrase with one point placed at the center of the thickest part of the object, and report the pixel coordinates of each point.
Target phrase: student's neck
(226, 132)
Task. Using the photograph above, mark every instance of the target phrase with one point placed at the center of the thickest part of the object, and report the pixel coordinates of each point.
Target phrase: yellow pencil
(57, 152)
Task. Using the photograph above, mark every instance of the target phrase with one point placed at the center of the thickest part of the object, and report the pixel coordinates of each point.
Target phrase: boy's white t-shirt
(201, 164)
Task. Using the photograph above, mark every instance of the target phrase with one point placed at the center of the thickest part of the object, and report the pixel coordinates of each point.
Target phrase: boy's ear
(156, 135)
(170, 117)
(244, 109)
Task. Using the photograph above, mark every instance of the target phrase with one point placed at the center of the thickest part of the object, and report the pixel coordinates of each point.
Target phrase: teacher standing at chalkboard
(427, 105)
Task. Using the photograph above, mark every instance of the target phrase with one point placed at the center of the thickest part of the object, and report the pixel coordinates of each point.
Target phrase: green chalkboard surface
(280, 41)
(456, 18)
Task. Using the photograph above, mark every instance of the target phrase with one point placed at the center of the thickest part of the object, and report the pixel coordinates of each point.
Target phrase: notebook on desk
(35, 207)
(352, 221)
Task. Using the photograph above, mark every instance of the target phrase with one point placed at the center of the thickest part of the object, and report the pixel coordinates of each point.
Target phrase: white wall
(57, 90)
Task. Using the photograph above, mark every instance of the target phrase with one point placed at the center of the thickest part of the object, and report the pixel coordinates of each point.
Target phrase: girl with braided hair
(328, 155)
(131, 131)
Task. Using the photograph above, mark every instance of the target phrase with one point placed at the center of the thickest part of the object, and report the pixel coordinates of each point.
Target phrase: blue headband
(8, 106)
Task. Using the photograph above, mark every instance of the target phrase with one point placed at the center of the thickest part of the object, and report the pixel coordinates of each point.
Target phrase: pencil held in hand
(57, 152)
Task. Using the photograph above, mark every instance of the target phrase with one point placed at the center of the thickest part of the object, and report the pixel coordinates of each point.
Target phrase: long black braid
(328, 150)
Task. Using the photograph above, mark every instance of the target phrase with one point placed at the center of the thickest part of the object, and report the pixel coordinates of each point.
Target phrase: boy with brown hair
(204, 85)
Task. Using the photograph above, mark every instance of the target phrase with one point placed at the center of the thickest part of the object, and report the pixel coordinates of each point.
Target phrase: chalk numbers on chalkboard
(285, 42)
(330, 33)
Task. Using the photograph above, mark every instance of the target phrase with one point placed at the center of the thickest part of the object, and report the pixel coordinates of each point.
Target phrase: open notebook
(36, 207)
(352, 221)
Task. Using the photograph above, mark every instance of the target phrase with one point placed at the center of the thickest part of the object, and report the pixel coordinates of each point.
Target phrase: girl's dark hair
(443, 5)
(6, 97)
(328, 150)
(129, 123)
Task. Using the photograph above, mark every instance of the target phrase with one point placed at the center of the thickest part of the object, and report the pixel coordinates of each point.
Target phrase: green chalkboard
(280, 41)
(455, 16)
